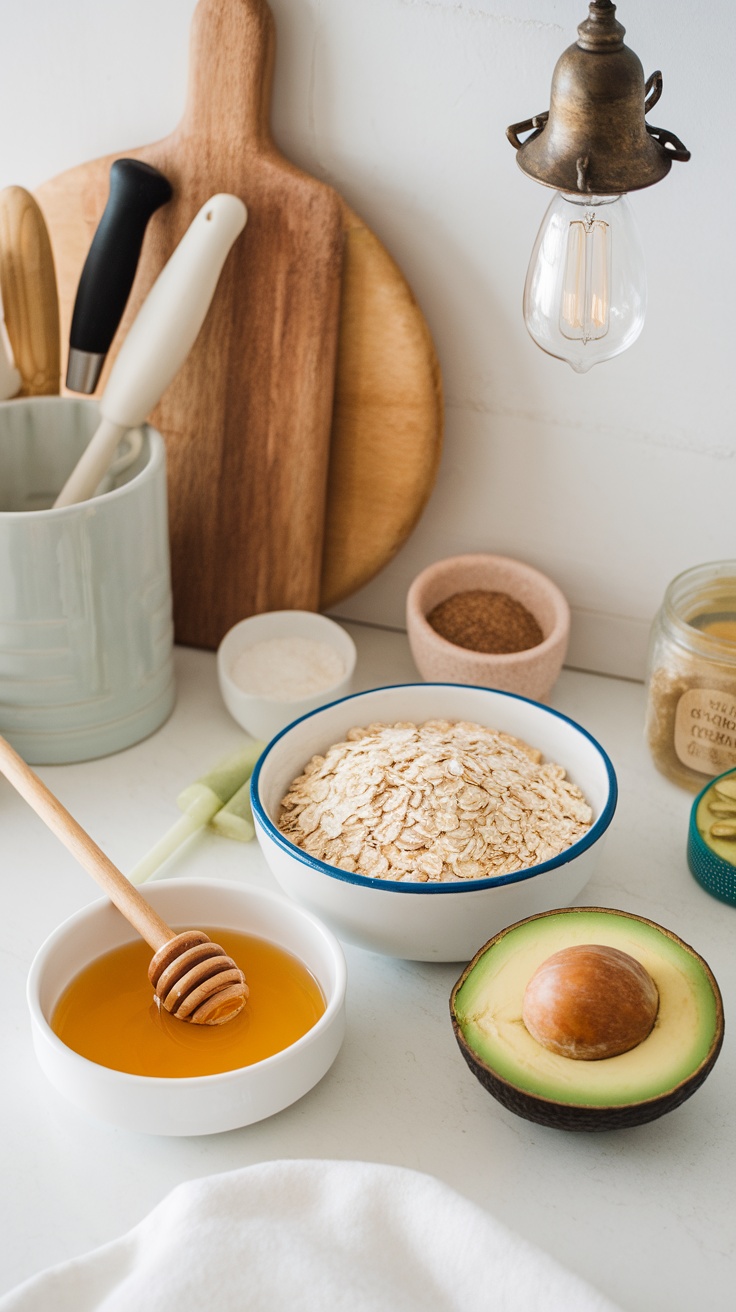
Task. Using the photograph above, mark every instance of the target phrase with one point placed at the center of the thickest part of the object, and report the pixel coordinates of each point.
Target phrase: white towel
(293, 1235)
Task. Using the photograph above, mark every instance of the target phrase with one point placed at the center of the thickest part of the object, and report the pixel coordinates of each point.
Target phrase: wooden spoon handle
(125, 897)
(28, 286)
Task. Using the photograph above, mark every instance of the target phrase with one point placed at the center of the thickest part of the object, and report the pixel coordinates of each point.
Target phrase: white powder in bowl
(286, 669)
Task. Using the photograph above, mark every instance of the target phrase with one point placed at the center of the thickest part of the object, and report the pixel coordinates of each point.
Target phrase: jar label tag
(705, 730)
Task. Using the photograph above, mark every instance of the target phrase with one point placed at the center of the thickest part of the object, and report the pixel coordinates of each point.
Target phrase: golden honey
(725, 629)
(108, 1012)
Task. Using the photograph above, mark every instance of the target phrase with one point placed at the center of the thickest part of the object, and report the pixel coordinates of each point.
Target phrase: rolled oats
(433, 802)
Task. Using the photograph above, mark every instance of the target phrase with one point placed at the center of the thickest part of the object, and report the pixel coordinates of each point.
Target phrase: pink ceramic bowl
(530, 673)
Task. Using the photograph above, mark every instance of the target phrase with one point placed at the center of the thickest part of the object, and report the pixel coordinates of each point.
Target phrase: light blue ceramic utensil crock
(86, 632)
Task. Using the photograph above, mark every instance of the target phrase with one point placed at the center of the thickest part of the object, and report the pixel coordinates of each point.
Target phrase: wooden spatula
(28, 289)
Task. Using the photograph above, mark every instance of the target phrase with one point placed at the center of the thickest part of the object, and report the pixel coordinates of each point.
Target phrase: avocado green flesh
(487, 1008)
(705, 819)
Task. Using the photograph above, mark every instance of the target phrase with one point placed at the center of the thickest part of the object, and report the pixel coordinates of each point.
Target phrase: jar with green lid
(691, 678)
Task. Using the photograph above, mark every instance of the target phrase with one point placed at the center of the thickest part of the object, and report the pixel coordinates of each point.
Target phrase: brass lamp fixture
(585, 292)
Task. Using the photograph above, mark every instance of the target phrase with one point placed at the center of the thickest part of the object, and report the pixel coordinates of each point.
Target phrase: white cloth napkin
(315, 1235)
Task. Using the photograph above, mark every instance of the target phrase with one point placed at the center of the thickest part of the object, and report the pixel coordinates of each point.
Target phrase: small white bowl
(431, 921)
(264, 716)
(205, 1104)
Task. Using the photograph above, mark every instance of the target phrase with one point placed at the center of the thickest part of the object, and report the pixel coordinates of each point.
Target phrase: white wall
(612, 481)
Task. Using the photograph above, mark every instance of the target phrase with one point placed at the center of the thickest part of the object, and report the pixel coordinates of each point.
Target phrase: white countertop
(646, 1215)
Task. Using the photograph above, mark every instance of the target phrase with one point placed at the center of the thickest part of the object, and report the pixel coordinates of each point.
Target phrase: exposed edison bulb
(585, 295)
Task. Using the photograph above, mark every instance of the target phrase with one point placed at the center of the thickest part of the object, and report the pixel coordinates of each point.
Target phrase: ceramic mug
(86, 631)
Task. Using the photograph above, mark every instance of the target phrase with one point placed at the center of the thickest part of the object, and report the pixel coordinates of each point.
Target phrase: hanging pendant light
(585, 292)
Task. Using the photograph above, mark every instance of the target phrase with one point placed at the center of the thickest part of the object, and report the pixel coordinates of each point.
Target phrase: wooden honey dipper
(193, 977)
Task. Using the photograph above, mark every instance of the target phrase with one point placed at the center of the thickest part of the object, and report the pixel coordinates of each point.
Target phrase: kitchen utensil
(192, 976)
(10, 379)
(432, 920)
(136, 191)
(248, 420)
(86, 634)
(161, 337)
(29, 299)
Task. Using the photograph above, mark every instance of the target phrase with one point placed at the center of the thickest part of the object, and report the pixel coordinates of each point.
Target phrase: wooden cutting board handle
(28, 288)
(227, 95)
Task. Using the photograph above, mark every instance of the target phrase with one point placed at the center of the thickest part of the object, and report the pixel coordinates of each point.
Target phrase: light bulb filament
(585, 294)
(585, 303)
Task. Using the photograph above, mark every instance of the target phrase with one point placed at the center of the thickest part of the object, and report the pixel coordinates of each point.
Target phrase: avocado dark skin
(473, 996)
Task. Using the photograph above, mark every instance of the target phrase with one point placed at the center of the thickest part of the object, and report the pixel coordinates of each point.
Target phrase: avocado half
(630, 1089)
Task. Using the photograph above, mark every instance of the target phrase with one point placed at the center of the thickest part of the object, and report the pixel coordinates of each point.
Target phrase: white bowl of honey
(105, 1044)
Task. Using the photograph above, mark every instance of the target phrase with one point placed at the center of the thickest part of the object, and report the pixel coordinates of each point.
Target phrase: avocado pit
(589, 1002)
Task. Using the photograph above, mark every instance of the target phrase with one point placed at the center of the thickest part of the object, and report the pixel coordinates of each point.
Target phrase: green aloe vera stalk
(235, 818)
(222, 782)
(199, 801)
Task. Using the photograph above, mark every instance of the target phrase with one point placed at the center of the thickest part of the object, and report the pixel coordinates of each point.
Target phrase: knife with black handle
(136, 191)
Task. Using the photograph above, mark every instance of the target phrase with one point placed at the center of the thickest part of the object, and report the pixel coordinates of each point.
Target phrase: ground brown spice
(490, 622)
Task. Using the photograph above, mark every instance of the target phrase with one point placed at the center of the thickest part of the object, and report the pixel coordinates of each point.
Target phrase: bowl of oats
(418, 820)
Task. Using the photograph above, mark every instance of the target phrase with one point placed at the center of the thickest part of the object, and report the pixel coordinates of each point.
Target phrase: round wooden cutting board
(387, 421)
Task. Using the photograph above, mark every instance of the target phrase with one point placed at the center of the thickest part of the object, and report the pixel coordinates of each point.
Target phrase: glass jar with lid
(691, 678)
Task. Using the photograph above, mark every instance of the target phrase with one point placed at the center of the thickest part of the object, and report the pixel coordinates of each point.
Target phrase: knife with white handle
(160, 338)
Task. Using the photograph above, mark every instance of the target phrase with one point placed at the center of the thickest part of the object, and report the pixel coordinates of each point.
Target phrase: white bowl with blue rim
(443, 921)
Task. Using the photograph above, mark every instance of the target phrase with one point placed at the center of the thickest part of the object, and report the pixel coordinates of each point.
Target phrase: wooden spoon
(193, 977)
(28, 287)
